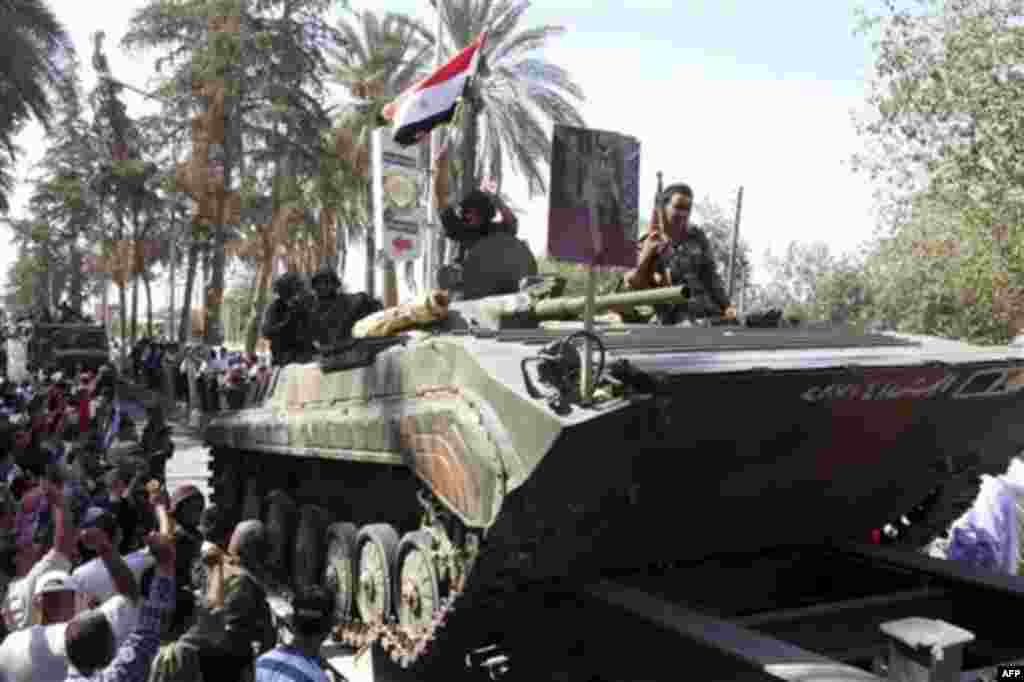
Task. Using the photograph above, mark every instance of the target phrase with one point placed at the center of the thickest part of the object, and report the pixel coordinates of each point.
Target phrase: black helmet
(288, 284)
(326, 274)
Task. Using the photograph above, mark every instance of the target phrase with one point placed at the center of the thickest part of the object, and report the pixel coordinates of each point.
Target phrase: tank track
(406, 645)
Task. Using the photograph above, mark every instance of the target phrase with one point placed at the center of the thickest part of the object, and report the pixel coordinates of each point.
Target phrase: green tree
(944, 145)
(384, 56)
(34, 53)
(516, 93)
(718, 224)
(946, 104)
(576, 276)
(275, 69)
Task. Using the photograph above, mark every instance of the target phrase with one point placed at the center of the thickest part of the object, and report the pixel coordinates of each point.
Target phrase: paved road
(190, 462)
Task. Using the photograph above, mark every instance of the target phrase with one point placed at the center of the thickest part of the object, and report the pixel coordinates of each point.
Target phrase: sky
(720, 93)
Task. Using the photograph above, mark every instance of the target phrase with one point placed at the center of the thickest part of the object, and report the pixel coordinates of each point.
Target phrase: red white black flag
(432, 101)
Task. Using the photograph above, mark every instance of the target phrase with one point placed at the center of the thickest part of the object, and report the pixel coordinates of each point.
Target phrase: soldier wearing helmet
(288, 321)
(335, 312)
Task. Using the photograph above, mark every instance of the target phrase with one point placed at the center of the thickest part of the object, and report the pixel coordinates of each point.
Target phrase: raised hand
(489, 185)
(162, 547)
(97, 540)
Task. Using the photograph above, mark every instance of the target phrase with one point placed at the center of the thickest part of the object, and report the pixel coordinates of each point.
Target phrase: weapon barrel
(573, 305)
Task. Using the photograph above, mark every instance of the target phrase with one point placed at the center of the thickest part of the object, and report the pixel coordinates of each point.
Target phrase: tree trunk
(260, 305)
(342, 243)
(369, 237)
(185, 326)
(149, 305)
(75, 256)
(215, 291)
(135, 308)
(135, 275)
(123, 299)
(470, 141)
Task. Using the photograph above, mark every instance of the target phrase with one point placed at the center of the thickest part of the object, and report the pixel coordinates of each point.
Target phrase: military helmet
(326, 274)
(288, 284)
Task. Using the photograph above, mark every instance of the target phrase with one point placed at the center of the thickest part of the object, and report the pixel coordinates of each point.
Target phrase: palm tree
(502, 116)
(383, 56)
(34, 54)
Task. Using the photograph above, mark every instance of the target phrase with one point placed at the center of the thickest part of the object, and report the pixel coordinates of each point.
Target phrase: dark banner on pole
(593, 213)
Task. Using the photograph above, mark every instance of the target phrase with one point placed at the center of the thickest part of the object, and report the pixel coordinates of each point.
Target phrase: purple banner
(594, 207)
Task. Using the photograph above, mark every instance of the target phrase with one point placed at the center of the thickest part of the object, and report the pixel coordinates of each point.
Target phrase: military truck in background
(65, 347)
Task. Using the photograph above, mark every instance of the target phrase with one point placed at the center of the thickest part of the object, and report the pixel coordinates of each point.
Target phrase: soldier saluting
(676, 253)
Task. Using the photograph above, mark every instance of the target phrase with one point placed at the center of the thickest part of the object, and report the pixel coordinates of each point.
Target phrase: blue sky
(721, 93)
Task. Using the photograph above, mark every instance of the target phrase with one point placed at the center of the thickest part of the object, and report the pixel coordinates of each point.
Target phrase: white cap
(55, 581)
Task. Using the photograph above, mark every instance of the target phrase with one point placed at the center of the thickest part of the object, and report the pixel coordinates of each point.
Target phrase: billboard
(594, 207)
(400, 210)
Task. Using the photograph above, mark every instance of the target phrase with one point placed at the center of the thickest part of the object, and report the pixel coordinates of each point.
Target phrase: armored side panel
(704, 441)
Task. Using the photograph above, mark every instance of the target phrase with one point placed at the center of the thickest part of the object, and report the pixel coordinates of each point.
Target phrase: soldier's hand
(655, 244)
(730, 313)
(656, 225)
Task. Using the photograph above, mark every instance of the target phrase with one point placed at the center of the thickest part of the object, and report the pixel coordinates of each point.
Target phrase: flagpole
(431, 252)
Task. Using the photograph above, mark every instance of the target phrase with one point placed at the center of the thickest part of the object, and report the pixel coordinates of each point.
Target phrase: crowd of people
(107, 575)
(225, 379)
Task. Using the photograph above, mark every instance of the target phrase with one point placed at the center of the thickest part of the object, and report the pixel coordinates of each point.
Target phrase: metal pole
(430, 238)
(735, 246)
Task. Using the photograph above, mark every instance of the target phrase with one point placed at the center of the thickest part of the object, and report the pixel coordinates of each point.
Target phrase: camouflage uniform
(691, 262)
(288, 322)
(336, 313)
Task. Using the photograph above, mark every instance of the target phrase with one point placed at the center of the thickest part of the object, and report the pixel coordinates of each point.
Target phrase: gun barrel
(574, 305)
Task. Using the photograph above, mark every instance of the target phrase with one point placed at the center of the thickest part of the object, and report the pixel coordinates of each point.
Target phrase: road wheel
(280, 524)
(419, 585)
(308, 551)
(378, 547)
(340, 568)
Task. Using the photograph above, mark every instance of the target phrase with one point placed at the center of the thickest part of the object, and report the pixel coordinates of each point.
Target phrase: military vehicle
(67, 346)
(461, 460)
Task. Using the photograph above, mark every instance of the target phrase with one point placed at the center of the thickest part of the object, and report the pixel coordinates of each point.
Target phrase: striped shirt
(285, 664)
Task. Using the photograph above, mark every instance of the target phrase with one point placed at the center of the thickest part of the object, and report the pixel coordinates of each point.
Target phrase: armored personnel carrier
(458, 459)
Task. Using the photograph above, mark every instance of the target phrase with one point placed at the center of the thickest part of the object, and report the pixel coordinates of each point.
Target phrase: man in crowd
(90, 639)
(35, 559)
(312, 619)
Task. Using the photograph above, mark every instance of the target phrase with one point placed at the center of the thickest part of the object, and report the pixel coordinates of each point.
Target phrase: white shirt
(93, 579)
(37, 653)
(17, 608)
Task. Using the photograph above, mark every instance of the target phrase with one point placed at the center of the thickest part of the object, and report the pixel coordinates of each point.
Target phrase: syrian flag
(432, 101)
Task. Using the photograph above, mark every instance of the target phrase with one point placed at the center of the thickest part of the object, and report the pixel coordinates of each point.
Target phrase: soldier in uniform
(335, 312)
(287, 324)
(472, 218)
(679, 254)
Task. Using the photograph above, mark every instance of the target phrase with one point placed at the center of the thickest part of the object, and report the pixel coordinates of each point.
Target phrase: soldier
(287, 324)
(472, 218)
(335, 312)
(679, 254)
